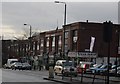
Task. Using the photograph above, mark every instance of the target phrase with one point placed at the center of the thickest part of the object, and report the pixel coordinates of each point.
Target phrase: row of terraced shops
(79, 41)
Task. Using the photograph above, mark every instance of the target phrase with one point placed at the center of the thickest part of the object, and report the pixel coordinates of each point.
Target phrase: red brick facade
(77, 39)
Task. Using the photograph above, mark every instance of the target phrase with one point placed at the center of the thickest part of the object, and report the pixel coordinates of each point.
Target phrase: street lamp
(118, 47)
(75, 41)
(30, 28)
(65, 11)
(64, 25)
(30, 35)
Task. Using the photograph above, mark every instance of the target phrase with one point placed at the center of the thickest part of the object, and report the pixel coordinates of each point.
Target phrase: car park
(16, 65)
(26, 66)
(65, 68)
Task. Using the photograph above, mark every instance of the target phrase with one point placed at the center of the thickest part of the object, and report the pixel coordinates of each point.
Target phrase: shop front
(82, 56)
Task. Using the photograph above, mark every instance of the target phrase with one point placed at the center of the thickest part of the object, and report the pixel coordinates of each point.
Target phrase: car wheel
(55, 73)
(75, 75)
(93, 72)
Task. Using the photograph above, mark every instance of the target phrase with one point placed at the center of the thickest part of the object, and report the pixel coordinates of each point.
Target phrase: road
(23, 77)
(36, 77)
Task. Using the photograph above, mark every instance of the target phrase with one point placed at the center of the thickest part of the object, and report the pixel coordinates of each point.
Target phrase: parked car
(83, 66)
(92, 69)
(65, 68)
(59, 67)
(26, 66)
(118, 72)
(113, 70)
(9, 63)
(102, 69)
(16, 65)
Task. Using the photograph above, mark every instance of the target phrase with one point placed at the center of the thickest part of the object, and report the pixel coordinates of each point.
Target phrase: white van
(59, 67)
(10, 62)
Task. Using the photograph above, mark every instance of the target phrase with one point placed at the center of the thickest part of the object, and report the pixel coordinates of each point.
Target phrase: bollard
(62, 75)
(82, 75)
(51, 72)
(71, 77)
(71, 74)
(94, 77)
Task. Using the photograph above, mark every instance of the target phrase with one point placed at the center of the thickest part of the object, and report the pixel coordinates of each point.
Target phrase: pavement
(86, 79)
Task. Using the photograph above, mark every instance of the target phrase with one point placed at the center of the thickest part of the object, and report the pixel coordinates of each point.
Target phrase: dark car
(113, 71)
(102, 69)
(26, 66)
(92, 69)
(118, 72)
(16, 65)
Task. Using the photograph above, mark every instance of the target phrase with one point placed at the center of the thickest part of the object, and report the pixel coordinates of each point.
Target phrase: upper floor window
(53, 41)
(66, 34)
(75, 33)
(60, 41)
(47, 42)
(41, 43)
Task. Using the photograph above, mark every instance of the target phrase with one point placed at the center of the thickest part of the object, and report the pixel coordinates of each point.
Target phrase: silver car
(69, 69)
(113, 71)
(118, 72)
(16, 65)
(26, 66)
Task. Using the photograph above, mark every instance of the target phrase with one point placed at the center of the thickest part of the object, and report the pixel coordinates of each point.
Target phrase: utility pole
(107, 37)
(63, 28)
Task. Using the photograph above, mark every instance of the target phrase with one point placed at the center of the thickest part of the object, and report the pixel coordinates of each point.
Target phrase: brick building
(78, 38)
(49, 44)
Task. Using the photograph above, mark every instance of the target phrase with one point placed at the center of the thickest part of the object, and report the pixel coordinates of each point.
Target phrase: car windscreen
(26, 64)
(18, 63)
(98, 66)
(13, 62)
(68, 64)
(103, 67)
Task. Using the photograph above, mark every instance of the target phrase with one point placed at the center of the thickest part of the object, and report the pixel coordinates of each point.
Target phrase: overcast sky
(44, 16)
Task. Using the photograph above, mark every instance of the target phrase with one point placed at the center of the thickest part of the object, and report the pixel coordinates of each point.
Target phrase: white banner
(92, 43)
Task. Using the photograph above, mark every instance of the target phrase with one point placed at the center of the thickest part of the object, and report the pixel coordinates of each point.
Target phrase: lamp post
(75, 41)
(30, 28)
(30, 35)
(65, 11)
(118, 47)
(64, 25)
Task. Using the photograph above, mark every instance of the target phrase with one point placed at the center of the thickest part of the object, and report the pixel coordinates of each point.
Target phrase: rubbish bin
(51, 72)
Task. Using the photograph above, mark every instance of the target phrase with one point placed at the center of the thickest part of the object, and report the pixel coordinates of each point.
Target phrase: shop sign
(72, 54)
(87, 54)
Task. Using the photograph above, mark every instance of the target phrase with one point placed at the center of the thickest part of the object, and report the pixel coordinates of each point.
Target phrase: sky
(45, 16)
